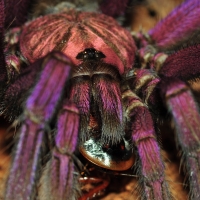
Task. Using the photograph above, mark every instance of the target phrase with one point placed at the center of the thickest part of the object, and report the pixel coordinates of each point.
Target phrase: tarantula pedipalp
(105, 89)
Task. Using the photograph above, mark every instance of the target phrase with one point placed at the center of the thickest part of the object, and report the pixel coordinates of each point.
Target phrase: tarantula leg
(183, 64)
(151, 167)
(186, 116)
(39, 110)
(3, 71)
(59, 180)
(16, 12)
(181, 25)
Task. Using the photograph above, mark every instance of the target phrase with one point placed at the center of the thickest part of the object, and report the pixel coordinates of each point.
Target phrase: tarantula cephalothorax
(97, 76)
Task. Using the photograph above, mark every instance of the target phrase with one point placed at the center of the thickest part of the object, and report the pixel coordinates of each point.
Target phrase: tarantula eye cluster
(83, 85)
(90, 54)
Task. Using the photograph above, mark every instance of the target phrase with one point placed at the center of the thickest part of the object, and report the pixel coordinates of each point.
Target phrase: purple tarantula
(76, 81)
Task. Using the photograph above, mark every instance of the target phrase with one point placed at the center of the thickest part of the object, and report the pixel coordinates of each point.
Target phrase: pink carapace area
(72, 32)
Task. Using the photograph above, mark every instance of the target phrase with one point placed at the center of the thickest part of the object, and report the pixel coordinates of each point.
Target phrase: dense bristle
(150, 166)
(178, 27)
(107, 99)
(185, 113)
(80, 95)
(183, 64)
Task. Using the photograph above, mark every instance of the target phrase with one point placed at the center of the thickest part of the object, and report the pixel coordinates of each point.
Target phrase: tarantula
(76, 80)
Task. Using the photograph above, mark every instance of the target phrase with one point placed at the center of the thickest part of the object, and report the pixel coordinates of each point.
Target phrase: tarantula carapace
(76, 80)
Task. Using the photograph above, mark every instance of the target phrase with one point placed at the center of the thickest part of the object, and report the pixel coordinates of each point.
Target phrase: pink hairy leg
(185, 113)
(183, 64)
(39, 110)
(60, 178)
(150, 167)
(178, 26)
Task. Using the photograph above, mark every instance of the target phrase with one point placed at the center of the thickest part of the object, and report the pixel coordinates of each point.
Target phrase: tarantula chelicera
(76, 80)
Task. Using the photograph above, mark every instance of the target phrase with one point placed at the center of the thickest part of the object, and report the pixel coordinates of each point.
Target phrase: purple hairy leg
(186, 116)
(39, 110)
(178, 26)
(59, 179)
(151, 167)
(113, 8)
(3, 71)
(185, 64)
(16, 12)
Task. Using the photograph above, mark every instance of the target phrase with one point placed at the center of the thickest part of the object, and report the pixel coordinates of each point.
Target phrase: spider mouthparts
(117, 157)
(111, 155)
